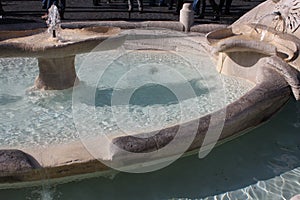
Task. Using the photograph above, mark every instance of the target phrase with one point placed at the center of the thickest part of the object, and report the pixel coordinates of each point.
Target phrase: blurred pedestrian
(179, 4)
(227, 6)
(196, 7)
(162, 3)
(171, 2)
(215, 7)
(1, 9)
(96, 2)
(140, 5)
(152, 3)
(62, 8)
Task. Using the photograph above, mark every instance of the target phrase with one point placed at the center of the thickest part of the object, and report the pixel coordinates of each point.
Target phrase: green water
(263, 164)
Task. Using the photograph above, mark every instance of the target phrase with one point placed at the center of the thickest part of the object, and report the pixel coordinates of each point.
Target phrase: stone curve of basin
(72, 161)
(39, 43)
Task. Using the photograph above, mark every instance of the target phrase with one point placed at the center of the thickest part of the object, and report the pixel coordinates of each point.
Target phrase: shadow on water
(146, 95)
(7, 99)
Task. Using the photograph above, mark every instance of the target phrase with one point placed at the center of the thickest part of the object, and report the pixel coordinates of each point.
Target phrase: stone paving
(23, 11)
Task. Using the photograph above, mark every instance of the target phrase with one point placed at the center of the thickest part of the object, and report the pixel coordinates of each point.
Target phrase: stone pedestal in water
(56, 73)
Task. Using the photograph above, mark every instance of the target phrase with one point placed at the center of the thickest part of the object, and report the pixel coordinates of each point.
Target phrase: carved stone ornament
(289, 12)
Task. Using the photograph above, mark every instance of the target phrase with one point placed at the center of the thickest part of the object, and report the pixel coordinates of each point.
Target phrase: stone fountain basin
(71, 161)
(68, 160)
(39, 43)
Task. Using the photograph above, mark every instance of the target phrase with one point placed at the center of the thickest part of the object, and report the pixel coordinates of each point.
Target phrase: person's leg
(62, 7)
(50, 3)
(162, 3)
(44, 4)
(1, 9)
(215, 8)
(95, 3)
(214, 5)
(140, 4)
(179, 6)
(152, 3)
(201, 16)
(130, 5)
(227, 6)
(196, 6)
(221, 5)
(171, 2)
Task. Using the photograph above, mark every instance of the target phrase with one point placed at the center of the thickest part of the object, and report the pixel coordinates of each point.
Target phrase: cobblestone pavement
(78, 10)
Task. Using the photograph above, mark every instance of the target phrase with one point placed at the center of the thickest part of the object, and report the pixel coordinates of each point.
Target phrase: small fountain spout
(53, 21)
(277, 13)
(273, 21)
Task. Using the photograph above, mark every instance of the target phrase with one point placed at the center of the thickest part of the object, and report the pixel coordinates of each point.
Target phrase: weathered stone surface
(249, 111)
(56, 73)
(272, 33)
(296, 197)
(16, 161)
(128, 25)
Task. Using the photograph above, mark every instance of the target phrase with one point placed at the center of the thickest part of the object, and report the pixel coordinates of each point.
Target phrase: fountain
(55, 51)
(53, 20)
(259, 52)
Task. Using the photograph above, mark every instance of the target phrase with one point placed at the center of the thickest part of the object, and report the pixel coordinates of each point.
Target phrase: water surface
(164, 89)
